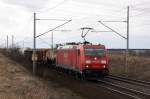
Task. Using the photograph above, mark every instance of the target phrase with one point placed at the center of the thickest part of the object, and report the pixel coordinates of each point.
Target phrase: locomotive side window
(94, 52)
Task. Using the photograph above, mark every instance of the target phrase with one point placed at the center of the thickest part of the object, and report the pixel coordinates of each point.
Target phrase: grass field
(137, 67)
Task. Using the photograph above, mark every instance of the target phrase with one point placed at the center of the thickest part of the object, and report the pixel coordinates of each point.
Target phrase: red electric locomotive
(84, 59)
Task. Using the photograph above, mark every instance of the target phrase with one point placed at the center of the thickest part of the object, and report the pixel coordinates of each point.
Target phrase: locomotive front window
(94, 52)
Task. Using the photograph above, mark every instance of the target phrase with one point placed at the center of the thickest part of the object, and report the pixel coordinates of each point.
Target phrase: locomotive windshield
(94, 51)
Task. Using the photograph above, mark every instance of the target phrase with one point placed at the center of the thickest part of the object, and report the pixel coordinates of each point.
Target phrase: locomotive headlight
(87, 61)
(104, 66)
(103, 61)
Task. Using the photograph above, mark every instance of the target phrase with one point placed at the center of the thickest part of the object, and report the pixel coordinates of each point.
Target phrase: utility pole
(23, 44)
(126, 38)
(52, 41)
(52, 47)
(128, 27)
(7, 42)
(127, 49)
(34, 55)
(12, 41)
(34, 46)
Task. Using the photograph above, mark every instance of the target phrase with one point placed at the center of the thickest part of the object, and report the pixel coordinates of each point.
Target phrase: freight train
(85, 59)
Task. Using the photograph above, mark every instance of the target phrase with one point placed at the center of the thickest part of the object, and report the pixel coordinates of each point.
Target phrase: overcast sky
(16, 19)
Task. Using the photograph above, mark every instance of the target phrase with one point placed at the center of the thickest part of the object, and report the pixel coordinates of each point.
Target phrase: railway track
(130, 88)
(131, 81)
(130, 93)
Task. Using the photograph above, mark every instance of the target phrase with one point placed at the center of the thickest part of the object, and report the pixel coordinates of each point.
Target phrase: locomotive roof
(68, 47)
(75, 46)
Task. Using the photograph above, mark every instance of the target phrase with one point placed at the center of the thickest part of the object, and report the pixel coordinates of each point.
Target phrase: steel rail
(135, 80)
(133, 91)
(118, 91)
(128, 81)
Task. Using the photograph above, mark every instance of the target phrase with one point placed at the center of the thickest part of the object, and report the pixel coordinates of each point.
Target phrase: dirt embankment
(18, 83)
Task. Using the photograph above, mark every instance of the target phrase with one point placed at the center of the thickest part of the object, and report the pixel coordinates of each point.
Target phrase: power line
(44, 41)
(53, 29)
(140, 14)
(57, 5)
(140, 9)
(100, 3)
(54, 19)
(20, 41)
(83, 6)
(93, 7)
(112, 29)
(143, 3)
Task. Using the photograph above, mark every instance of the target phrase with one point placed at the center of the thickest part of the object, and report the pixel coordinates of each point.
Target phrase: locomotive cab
(95, 60)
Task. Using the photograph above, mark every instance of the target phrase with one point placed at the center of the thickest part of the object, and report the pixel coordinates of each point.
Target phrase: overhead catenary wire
(53, 29)
(83, 6)
(51, 8)
(21, 41)
(98, 4)
(112, 29)
(142, 3)
(43, 41)
(140, 14)
(23, 29)
(77, 5)
(92, 7)
(142, 10)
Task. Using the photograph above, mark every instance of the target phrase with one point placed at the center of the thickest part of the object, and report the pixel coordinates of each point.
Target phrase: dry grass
(137, 67)
(16, 82)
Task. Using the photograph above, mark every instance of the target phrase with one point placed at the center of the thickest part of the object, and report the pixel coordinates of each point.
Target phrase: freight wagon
(40, 53)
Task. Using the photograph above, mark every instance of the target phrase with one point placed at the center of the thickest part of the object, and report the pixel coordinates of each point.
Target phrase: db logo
(95, 58)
